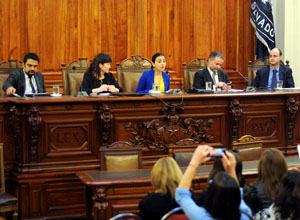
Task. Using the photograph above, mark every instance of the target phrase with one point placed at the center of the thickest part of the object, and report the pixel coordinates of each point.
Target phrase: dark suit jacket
(17, 80)
(90, 82)
(204, 76)
(262, 77)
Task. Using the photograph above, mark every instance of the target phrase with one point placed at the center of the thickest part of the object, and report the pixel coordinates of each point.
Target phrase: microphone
(240, 74)
(176, 90)
(80, 93)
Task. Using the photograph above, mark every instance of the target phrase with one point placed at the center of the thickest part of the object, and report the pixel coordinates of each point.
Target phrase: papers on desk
(55, 95)
(235, 90)
(101, 94)
(36, 94)
(280, 89)
(155, 92)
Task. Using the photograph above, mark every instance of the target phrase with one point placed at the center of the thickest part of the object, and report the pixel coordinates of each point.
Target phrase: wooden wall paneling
(219, 26)
(121, 36)
(137, 27)
(108, 24)
(187, 30)
(63, 31)
(33, 24)
(246, 45)
(231, 37)
(178, 28)
(53, 34)
(203, 29)
(11, 26)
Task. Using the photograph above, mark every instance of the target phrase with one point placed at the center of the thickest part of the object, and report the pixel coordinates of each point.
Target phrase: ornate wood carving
(100, 203)
(136, 61)
(34, 121)
(236, 113)
(292, 112)
(15, 124)
(106, 118)
(160, 134)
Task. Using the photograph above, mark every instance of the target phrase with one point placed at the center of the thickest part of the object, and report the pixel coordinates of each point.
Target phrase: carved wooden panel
(149, 132)
(64, 198)
(265, 125)
(68, 137)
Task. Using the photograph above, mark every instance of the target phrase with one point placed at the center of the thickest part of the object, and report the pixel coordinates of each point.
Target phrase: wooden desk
(48, 139)
(111, 193)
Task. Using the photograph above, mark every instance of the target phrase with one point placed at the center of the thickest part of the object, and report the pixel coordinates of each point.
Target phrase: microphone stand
(81, 93)
(240, 74)
(176, 90)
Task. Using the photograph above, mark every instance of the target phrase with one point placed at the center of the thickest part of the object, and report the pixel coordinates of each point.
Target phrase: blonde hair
(271, 168)
(166, 176)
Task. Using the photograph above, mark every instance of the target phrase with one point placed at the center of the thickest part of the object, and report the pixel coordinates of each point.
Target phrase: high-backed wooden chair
(120, 156)
(190, 70)
(8, 203)
(73, 75)
(256, 65)
(249, 147)
(182, 151)
(11, 66)
(130, 70)
(6, 69)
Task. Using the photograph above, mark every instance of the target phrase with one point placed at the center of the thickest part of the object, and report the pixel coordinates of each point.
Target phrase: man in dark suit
(268, 76)
(212, 73)
(27, 80)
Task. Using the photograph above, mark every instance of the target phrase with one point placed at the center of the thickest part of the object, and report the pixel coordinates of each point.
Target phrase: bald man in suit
(268, 76)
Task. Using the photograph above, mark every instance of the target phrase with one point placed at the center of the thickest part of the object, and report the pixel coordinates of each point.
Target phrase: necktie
(31, 84)
(214, 78)
(274, 80)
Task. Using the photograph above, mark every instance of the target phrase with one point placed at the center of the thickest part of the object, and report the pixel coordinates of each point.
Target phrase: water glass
(208, 85)
(279, 84)
(154, 87)
(55, 90)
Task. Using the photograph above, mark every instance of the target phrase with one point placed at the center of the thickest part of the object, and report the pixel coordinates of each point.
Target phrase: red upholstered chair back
(178, 217)
(175, 214)
(127, 216)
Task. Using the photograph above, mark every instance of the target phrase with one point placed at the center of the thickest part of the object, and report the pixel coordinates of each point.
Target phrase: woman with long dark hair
(98, 78)
(287, 202)
(271, 168)
(218, 167)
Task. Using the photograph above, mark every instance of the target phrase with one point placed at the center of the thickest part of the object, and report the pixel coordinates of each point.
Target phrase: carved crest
(160, 134)
(136, 61)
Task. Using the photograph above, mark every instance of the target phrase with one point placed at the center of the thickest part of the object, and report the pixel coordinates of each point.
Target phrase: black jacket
(256, 198)
(203, 76)
(89, 82)
(17, 80)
